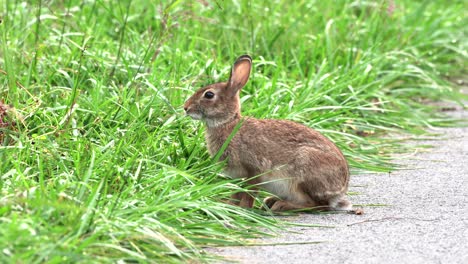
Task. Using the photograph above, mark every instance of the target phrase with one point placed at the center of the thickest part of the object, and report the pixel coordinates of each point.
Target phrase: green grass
(98, 162)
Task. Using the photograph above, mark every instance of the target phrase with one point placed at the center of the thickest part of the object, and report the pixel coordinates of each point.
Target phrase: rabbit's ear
(240, 74)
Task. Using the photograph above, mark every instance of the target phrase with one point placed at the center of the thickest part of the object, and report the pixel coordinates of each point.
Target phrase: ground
(425, 219)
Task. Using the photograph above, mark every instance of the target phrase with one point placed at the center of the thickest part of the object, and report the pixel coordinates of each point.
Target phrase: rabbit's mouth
(193, 113)
(196, 116)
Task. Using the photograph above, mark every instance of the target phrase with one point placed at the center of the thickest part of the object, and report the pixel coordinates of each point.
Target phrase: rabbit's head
(219, 103)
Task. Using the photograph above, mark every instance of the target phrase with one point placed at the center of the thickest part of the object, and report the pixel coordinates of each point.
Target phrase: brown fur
(297, 164)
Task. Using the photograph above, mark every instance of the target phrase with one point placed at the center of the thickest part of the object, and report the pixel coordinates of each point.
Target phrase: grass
(98, 162)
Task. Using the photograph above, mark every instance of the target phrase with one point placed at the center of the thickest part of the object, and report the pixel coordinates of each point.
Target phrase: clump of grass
(103, 167)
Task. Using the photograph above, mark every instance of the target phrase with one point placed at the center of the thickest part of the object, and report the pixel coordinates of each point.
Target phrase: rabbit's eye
(209, 95)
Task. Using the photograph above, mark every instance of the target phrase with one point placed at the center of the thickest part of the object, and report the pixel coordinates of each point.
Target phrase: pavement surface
(425, 220)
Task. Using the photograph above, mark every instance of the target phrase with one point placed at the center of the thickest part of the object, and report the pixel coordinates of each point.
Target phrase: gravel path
(426, 220)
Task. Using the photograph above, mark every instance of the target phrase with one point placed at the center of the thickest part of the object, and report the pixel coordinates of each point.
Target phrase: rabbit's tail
(340, 203)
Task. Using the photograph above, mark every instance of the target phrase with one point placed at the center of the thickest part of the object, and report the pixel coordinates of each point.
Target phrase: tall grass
(98, 162)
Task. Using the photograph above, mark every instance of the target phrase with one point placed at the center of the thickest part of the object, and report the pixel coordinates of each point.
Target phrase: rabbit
(298, 165)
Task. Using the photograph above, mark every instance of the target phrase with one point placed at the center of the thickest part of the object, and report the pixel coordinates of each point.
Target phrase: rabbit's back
(274, 140)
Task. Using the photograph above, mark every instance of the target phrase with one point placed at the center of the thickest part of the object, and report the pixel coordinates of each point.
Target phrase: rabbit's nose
(185, 108)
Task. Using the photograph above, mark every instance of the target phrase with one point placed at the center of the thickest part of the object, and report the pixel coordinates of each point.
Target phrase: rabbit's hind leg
(270, 201)
(283, 205)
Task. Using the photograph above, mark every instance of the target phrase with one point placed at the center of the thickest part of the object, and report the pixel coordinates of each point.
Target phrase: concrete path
(426, 220)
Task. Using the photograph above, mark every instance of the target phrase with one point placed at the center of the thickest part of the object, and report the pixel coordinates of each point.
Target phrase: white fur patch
(215, 123)
(195, 116)
(335, 203)
(278, 187)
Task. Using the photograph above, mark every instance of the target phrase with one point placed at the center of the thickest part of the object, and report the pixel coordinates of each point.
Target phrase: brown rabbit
(297, 164)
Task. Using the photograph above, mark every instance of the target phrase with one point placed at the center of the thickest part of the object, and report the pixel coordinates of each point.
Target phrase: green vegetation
(98, 162)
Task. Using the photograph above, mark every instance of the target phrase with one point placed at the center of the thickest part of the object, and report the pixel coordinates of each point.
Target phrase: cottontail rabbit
(297, 164)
